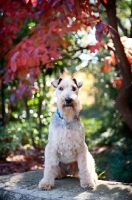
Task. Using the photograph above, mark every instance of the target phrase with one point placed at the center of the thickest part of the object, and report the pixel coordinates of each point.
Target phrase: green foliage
(29, 119)
(92, 125)
(16, 134)
(117, 162)
(100, 175)
(107, 140)
(10, 138)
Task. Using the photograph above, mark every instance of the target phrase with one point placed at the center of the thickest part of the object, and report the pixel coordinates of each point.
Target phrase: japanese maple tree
(46, 41)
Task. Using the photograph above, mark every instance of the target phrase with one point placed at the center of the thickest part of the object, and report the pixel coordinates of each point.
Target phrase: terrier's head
(67, 97)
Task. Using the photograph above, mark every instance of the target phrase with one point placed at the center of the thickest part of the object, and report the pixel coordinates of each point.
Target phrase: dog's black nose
(68, 100)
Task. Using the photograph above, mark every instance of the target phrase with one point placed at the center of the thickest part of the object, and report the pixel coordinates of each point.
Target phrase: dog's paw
(44, 185)
(88, 184)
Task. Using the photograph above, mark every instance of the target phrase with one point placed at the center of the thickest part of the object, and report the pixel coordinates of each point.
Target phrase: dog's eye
(73, 89)
(61, 88)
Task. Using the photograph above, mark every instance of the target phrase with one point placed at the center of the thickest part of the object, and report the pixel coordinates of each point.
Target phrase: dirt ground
(22, 160)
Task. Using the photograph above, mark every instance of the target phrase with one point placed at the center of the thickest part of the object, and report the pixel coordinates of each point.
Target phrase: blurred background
(25, 113)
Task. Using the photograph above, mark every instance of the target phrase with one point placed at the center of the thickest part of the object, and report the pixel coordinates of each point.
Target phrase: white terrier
(66, 151)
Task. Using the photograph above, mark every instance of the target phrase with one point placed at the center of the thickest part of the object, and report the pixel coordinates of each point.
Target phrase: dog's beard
(69, 111)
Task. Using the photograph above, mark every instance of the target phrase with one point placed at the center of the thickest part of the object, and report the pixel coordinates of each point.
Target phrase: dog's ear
(56, 82)
(78, 83)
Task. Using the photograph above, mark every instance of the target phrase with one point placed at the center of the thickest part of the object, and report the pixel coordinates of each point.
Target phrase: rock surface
(25, 187)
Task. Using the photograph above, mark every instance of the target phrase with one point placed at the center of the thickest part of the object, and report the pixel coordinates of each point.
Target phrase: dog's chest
(69, 140)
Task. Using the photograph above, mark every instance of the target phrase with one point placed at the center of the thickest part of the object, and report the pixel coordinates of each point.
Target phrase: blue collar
(58, 113)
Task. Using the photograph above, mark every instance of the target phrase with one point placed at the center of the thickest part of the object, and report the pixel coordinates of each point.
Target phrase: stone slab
(25, 187)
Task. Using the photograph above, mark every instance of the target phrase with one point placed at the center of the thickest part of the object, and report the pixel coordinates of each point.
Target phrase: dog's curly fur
(66, 151)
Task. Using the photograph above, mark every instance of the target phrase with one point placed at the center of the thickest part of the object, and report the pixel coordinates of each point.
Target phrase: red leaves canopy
(112, 59)
(46, 41)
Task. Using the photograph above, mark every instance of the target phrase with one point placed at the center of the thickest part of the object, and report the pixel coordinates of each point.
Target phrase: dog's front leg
(86, 168)
(51, 169)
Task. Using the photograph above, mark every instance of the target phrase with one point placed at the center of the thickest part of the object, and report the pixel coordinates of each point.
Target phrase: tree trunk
(122, 101)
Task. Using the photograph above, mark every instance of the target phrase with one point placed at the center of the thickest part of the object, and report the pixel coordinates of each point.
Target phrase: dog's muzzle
(68, 101)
